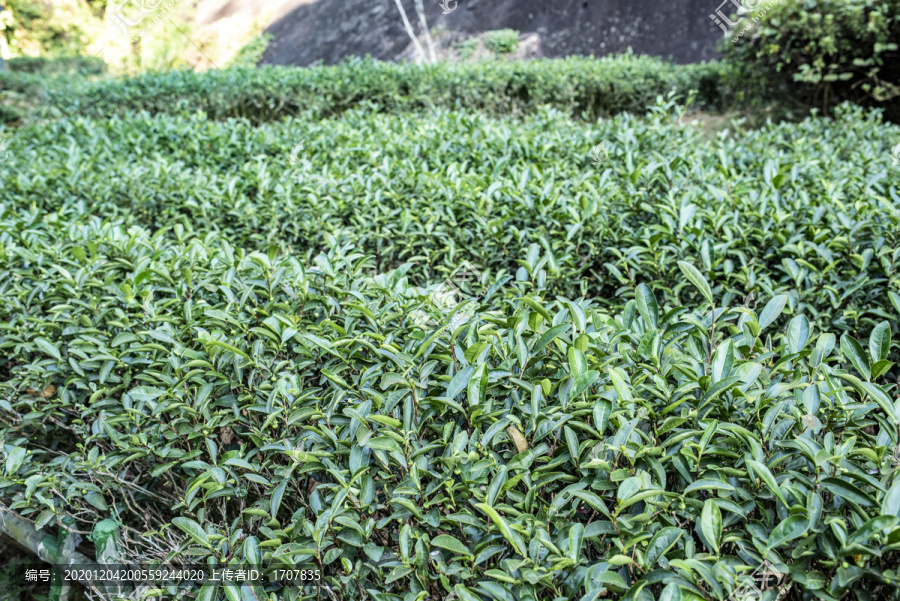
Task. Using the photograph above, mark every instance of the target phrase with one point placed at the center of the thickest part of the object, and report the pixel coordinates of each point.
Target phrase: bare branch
(409, 30)
(420, 9)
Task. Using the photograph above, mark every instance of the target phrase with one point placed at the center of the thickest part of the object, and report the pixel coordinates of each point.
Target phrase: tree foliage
(823, 52)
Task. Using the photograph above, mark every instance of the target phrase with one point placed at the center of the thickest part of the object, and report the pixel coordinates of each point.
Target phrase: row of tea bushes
(580, 86)
(247, 406)
(808, 210)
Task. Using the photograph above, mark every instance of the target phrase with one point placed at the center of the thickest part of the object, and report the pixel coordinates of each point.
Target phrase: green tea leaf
(48, 347)
(767, 477)
(647, 306)
(791, 528)
(711, 524)
(660, 544)
(880, 342)
(445, 541)
(771, 311)
(192, 529)
(853, 351)
(697, 280)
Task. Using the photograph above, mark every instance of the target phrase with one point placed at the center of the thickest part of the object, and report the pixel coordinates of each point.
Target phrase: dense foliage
(823, 52)
(234, 340)
(579, 86)
(78, 32)
(253, 406)
(62, 27)
(30, 85)
(756, 213)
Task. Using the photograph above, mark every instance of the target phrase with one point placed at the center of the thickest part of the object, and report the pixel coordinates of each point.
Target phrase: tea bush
(86, 65)
(251, 407)
(753, 208)
(579, 86)
(234, 341)
(32, 84)
(19, 93)
(466, 48)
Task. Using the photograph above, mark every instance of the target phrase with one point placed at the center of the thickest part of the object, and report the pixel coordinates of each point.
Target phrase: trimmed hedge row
(580, 86)
(19, 94)
(85, 65)
(27, 92)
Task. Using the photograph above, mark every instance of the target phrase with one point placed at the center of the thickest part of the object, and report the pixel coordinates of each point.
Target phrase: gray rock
(307, 31)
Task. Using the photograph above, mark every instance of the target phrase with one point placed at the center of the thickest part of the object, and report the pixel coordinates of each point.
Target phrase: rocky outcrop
(310, 31)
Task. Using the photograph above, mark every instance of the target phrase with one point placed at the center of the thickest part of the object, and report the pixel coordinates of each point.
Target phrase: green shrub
(250, 54)
(10, 115)
(467, 47)
(579, 86)
(31, 85)
(502, 41)
(824, 51)
(21, 93)
(24, 83)
(85, 65)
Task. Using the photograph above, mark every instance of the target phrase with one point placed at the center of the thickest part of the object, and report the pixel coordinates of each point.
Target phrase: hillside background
(200, 34)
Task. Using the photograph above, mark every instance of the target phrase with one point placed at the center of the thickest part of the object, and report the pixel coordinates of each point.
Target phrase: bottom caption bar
(103, 576)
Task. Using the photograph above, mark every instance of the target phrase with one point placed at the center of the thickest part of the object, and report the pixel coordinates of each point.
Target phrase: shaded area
(329, 30)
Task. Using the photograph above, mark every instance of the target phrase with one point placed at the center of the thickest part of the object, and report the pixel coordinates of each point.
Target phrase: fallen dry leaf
(226, 435)
(518, 439)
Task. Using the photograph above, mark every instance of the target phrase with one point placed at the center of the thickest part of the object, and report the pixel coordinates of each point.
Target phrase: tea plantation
(456, 353)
